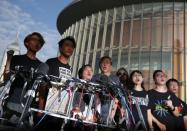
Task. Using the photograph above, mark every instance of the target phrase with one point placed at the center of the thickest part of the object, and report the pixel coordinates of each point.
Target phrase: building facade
(137, 34)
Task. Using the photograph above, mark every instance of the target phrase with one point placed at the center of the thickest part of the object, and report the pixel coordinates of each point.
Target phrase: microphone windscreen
(42, 69)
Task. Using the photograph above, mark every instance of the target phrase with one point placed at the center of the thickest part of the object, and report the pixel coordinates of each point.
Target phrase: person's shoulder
(113, 75)
(172, 96)
(171, 93)
(51, 60)
(145, 92)
(39, 61)
(18, 56)
(150, 91)
(96, 77)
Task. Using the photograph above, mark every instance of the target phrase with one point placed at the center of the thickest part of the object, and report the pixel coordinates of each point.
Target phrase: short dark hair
(131, 81)
(155, 72)
(172, 80)
(29, 36)
(103, 58)
(70, 38)
(80, 72)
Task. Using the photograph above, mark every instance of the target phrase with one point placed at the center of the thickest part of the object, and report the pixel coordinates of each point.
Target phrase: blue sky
(28, 16)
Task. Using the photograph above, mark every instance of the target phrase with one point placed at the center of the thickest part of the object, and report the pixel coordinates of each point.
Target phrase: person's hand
(162, 127)
(39, 114)
(151, 129)
(169, 104)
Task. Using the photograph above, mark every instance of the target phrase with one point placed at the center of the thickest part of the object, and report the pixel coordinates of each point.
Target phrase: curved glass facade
(146, 36)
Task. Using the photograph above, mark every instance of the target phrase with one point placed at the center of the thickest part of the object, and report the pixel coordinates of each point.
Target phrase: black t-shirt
(181, 106)
(27, 65)
(159, 109)
(58, 69)
(25, 61)
(141, 98)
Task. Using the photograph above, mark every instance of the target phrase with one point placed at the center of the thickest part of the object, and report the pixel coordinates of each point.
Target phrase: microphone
(73, 79)
(41, 71)
(108, 84)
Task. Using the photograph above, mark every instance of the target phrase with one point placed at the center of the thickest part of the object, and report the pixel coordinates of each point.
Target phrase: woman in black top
(138, 100)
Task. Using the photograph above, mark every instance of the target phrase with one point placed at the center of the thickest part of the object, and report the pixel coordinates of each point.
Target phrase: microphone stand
(5, 91)
(142, 121)
(122, 95)
(9, 83)
(7, 86)
(28, 102)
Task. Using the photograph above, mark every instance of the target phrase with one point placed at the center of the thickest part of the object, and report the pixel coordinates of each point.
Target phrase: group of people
(160, 107)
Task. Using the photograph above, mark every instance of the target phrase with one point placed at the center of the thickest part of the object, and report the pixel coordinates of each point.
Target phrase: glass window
(100, 37)
(178, 30)
(97, 62)
(166, 62)
(136, 33)
(119, 14)
(134, 59)
(167, 32)
(106, 53)
(156, 32)
(146, 36)
(108, 35)
(117, 34)
(110, 17)
(90, 58)
(102, 18)
(93, 40)
(124, 58)
(155, 60)
(144, 60)
(115, 59)
(126, 34)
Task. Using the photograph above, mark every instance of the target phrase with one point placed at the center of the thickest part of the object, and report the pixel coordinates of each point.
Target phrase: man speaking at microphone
(13, 108)
(106, 76)
(58, 67)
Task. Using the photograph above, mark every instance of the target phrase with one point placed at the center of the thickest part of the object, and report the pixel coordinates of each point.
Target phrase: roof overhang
(81, 8)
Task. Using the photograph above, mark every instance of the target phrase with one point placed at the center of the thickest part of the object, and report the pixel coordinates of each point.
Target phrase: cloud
(13, 18)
